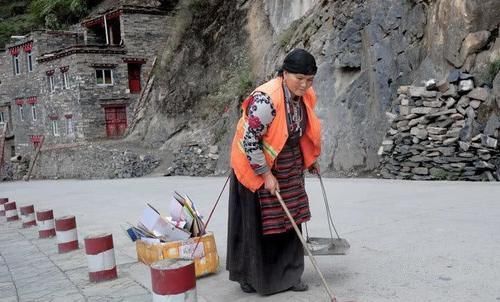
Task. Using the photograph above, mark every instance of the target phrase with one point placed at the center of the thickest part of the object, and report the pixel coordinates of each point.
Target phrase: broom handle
(299, 234)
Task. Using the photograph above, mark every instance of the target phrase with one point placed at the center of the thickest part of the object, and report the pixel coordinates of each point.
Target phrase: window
(2, 117)
(33, 111)
(15, 65)
(50, 79)
(21, 112)
(55, 128)
(29, 61)
(69, 126)
(65, 80)
(104, 77)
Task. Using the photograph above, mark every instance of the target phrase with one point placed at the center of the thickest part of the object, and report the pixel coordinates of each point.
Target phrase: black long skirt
(270, 263)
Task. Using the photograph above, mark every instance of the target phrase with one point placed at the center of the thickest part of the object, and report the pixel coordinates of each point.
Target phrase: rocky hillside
(219, 49)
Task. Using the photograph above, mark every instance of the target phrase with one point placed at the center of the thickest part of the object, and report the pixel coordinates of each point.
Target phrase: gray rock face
(458, 19)
(283, 12)
(364, 50)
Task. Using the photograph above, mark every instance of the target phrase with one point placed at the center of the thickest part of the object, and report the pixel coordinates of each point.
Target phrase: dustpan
(324, 245)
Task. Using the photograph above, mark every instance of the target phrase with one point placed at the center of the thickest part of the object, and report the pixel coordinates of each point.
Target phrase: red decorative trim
(97, 21)
(14, 51)
(19, 102)
(50, 72)
(53, 117)
(64, 68)
(32, 100)
(113, 15)
(100, 20)
(135, 60)
(28, 47)
(68, 115)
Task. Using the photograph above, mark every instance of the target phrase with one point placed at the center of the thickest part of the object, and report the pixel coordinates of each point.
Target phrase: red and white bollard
(28, 216)
(173, 280)
(100, 257)
(11, 211)
(2, 202)
(67, 237)
(46, 227)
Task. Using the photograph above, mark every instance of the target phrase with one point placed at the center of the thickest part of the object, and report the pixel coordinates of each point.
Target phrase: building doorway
(116, 120)
(134, 77)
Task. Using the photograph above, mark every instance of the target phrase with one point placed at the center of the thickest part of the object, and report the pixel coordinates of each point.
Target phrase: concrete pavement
(411, 241)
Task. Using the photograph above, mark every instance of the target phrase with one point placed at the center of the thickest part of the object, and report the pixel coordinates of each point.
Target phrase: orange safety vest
(276, 135)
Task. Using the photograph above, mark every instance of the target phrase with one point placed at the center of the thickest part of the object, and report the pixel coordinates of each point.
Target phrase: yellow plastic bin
(206, 260)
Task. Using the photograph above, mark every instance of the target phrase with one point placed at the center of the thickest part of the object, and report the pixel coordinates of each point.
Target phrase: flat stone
(420, 171)
(435, 137)
(422, 110)
(450, 102)
(392, 131)
(450, 141)
(458, 124)
(410, 116)
(475, 104)
(433, 104)
(405, 110)
(464, 101)
(419, 132)
(416, 121)
(417, 92)
(419, 159)
(484, 165)
(444, 112)
(464, 146)
(404, 89)
(433, 154)
(489, 141)
(436, 130)
(452, 91)
(401, 124)
(461, 110)
(442, 85)
(466, 154)
(407, 102)
(453, 132)
(479, 93)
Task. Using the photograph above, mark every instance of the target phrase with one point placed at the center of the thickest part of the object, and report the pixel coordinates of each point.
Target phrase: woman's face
(297, 83)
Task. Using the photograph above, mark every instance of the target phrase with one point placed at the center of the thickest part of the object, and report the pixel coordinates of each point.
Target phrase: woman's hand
(314, 168)
(270, 183)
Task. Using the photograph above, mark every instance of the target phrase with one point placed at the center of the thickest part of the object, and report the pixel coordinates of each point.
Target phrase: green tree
(59, 14)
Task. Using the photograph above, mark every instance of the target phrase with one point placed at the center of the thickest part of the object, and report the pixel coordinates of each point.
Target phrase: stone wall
(87, 161)
(445, 130)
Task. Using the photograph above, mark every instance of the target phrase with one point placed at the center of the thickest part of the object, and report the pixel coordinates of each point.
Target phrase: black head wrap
(300, 61)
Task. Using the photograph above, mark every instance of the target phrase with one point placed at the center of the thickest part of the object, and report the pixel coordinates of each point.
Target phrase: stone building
(79, 85)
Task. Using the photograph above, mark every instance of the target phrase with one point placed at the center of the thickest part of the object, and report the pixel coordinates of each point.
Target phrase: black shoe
(299, 287)
(247, 288)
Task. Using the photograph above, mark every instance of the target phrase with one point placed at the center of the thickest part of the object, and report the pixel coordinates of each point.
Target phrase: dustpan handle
(327, 206)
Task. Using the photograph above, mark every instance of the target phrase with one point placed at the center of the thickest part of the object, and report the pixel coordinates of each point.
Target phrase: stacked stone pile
(445, 130)
(194, 159)
(129, 164)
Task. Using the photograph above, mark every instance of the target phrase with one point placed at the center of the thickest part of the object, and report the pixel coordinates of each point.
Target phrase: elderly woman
(277, 138)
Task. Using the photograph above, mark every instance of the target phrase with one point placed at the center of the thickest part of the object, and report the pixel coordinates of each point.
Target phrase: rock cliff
(219, 49)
